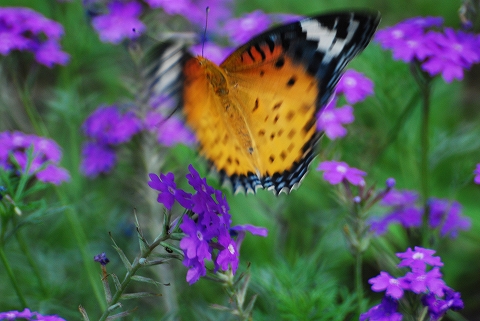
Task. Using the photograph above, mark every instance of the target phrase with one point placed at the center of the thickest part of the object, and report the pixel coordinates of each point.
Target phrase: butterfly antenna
(207, 9)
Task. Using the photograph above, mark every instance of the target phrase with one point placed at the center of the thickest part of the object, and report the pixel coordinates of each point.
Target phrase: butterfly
(255, 114)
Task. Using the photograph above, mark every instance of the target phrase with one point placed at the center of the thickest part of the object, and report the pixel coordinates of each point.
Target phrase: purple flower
(170, 131)
(108, 126)
(45, 157)
(355, 86)
(431, 280)
(195, 244)
(194, 11)
(196, 270)
(447, 53)
(27, 30)
(212, 51)
(28, 315)
(101, 258)
(97, 159)
(438, 307)
(394, 287)
(336, 172)
(168, 191)
(229, 255)
(476, 172)
(255, 230)
(447, 215)
(121, 22)
(418, 259)
(385, 311)
(331, 119)
(242, 29)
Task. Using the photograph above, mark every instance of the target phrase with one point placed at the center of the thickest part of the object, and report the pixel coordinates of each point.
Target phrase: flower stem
(12, 278)
(358, 281)
(31, 261)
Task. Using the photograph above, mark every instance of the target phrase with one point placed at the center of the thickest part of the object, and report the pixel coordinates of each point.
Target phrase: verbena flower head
(107, 125)
(476, 172)
(46, 156)
(24, 29)
(385, 311)
(443, 215)
(441, 51)
(428, 285)
(194, 10)
(209, 236)
(121, 22)
(336, 172)
(170, 131)
(355, 86)
(97, 159)
(101, 258)
(242, 29)
(331, 119)
(27, 315)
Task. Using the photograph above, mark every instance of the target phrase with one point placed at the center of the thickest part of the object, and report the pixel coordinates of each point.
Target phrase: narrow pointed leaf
(116, 281)
(138, 295)
(147, 280)
(84, 313)
(120, 315)
(122, 255)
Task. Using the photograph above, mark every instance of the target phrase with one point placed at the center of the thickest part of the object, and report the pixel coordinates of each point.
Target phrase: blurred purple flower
(240, 30)
(448, 215)
(45, 157)
(170, 131)
(212, 51)
(27, 315)
(336, 172)
(228, 256)
(108, 126)
(97, 159)
(25, 29)
(385, 311)
(120, 23)
(394, 287)
(355, 86)
(417, 260)
(476, 172)
(447, 53)
(331, 119)
(220, 10)
(196, 269)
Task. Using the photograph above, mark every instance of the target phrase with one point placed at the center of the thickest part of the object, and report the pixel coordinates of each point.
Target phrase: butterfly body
(254, 115)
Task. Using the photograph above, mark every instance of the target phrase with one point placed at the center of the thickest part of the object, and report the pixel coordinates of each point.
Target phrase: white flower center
(394, 281)
(350, 82)
(341, 169)
(458, 47)
(398, 34)
(328, 116)
(417, 256)
(248, 24)
(231, 249)
(199, 235)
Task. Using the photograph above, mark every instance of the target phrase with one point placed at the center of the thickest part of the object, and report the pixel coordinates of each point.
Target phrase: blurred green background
(305, 256)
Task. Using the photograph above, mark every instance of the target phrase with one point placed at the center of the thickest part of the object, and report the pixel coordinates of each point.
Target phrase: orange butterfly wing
(255, 114)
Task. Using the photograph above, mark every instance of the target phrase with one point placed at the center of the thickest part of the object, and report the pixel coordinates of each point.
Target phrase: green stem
(31, 261)
(358, 281)
(12, 278)
(128, 277)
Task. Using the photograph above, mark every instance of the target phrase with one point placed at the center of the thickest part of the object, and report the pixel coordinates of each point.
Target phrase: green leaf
(139, 295)
(116, 281)
(122, 255)
(120, 315)
(147, 280)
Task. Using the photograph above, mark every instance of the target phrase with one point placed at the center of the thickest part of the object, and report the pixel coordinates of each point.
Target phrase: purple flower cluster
(122, 21)
(338, 172)
(106, 127)
(440, 50)
(28, 315)
(476, 172)
(170, 131)
(355, 87)
(208, 235)
(46, 156)
(24, 29)
(443, 215)
(435, 294)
